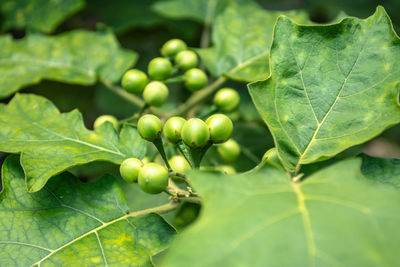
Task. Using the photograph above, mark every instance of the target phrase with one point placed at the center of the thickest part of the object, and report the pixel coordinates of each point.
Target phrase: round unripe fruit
(134, 81)
(173, 129)
(103, 118)
(195, 133)
(153, 178)
(226, 169)
(229, 151)
(221, 128)
(173, 47)
(155, 94)
(186, 60)
(130, 168)
(195, 79)
(159, 68)
(179, 164)
(149, 127)
(227, 100)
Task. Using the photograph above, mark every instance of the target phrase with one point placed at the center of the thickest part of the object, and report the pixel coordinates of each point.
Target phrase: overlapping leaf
(40, 15)
(242, 36)
(335, 217)
(51, 142)
(69, 223)
(331, 87)
(79, 57)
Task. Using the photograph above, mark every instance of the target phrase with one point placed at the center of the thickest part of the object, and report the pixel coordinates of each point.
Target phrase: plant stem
(160, 209)
(198, 154)
(160, 147)
(136, 101)
(185, 152)
(198, 97)
(177, 79)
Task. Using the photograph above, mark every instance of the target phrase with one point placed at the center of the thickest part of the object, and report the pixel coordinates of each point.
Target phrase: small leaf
(382, 170)
(331, 87)
(39, 15)
(79, 57)
(70, 223)
(51, 142)
(242, 36)
(335, 217)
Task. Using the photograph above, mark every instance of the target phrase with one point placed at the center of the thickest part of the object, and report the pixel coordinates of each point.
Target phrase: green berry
(227, 100)
(229, 151)
(173, 47)
(179, 164)
(153, 178)
(195, 79)
(155, 94)
(159, 69)
(195, 133)
(226, 169)
(134, 81)
(221, 128)
(149, 127)
(103, 118)
(130, 168)
(186, 60)
(173, 128)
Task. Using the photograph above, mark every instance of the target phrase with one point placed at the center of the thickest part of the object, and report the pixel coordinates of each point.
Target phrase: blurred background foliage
(143, 26)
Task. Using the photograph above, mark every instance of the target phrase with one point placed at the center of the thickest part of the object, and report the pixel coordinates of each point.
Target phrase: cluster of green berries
(195, 133)
(155, 92)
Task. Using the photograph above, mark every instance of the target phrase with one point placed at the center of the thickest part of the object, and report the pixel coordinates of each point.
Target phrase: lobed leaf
(79, 57)
(199, 10)
(242, 36)
(335, 217)
(70, 223)
(331, 87)
(51, 142)
(125, 14)
(39, 15)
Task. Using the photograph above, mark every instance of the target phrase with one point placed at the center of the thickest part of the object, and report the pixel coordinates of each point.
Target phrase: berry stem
(198, 154)
(160, 147)
(177, 79)
(136, 101)
(198, 97)
(185, 152)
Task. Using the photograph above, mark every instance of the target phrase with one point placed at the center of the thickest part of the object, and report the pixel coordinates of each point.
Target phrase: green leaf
(125, 14)
(199, 10)
(383, 170)
(51, 142)
(333, 218)
(79, 57)
(70, 223)
(331, 87)
(242, 36)
(40, 15)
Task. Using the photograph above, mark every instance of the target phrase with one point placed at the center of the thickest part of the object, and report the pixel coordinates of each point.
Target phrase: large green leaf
(384, 170)
(51, 142)
(70, 223)
(40, 15)
(331, 87)
(335, 217)
(125, 14)
(79, 57)
(242, 36)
